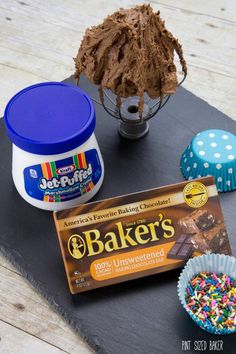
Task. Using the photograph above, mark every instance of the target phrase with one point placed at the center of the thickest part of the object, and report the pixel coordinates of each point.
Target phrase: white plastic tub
(56, 162)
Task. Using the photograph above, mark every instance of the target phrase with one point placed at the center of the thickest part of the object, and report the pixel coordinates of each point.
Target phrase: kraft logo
(65, 170)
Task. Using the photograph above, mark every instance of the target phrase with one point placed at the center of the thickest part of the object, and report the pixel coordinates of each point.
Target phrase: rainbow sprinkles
(211, 298)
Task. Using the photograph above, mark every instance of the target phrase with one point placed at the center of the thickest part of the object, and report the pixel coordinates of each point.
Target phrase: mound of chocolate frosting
(130, 53)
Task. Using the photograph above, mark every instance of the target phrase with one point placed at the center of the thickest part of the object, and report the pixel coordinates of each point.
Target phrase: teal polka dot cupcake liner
(211, 153)
(217, 263)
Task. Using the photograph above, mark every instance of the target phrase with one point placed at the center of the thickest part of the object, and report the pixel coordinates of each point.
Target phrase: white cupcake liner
(217, 263)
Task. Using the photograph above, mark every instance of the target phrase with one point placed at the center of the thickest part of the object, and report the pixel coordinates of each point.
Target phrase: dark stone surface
(140, 316)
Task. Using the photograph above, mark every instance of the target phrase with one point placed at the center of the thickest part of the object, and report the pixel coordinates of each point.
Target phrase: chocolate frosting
(130, 53)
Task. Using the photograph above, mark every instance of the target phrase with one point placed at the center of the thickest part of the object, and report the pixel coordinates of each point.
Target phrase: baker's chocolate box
(140, 234)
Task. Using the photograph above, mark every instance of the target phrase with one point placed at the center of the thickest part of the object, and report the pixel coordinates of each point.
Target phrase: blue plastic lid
(49, 118)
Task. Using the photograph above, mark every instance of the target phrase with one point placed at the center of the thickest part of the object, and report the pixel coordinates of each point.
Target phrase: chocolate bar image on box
(212, 241)
(198, 221)
(182, 248)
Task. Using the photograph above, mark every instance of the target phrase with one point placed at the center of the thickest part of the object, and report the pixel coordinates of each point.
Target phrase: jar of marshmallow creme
(56, 161)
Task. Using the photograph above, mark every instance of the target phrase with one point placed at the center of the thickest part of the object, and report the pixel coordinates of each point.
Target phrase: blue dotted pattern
(212, 153)
(215, 146)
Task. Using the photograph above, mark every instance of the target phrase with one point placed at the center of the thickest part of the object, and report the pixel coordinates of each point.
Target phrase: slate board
(140, 316)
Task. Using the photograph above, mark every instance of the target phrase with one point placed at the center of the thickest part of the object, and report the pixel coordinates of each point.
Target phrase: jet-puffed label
(62, 180)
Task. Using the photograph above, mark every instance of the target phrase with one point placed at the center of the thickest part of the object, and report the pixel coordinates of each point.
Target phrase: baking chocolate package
(132, 236)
